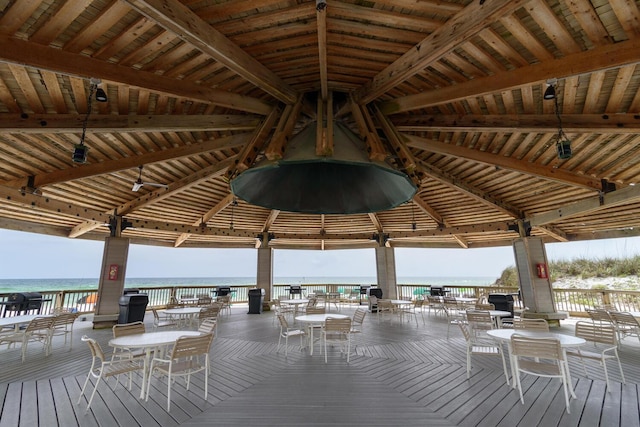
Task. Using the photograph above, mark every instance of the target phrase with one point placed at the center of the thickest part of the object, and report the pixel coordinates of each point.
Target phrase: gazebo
(470, 124)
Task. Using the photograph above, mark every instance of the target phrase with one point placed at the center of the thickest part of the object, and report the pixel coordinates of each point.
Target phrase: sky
(35, 256)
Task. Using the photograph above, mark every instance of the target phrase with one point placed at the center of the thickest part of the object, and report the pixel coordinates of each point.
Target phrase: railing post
(606, 300)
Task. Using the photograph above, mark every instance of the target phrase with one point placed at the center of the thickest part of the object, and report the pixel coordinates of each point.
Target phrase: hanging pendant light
(80, 150)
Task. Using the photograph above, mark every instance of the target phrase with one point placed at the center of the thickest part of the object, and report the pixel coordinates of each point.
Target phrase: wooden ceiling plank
(569, 93)
(382, 17)
(497, 43)
(21, 52)
(428, 210)
(546, 172)
(596, 80)
(376, 222)
(620, 87)
(177, 18)
(53, 87)
(7, 99)
(126, 163)
(585, 14)
(457, 30)
(14, 17)
(628, 14)
(57, 23)
(599, 58)
(206, 217)
(124, 39)
(526, 38)
(100, 24)
(552, 27)
(27, 88)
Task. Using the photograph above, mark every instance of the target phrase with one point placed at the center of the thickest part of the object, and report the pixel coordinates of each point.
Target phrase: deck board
(399, 374)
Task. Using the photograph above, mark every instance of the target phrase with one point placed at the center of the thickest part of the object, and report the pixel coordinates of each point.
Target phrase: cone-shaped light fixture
(347, 182)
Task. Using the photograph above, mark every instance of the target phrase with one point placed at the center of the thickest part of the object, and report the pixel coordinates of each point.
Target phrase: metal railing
(573, 301)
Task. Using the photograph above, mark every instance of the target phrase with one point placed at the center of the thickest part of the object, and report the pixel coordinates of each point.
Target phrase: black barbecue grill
(23, 302)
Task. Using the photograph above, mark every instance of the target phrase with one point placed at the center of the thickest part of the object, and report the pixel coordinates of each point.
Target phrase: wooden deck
(399, 375)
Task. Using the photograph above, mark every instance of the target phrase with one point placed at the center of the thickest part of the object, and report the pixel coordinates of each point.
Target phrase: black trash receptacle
(128, 291)
(503, 302)
(132, 308)
(376, 292)
(364, 290)
(256, 298)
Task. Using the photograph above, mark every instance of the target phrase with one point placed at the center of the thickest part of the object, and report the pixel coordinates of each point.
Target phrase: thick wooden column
(386, 271)
(264, 278)
(533, 274)
(111, 285)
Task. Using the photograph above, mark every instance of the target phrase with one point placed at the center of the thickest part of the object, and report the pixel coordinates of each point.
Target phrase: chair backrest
(450, 302)
(484, 306)
(316, 310)
(64, 319)
(96, 350)
(479, 319)
(604, 334)
(186, 346)
(124, 329)
(204, 300)
(359, 315)
(208, 326)
(283, 321)
(337, 325)
(624, 318)
(543, 348)
(434, 300)
(465, 331)
(210, 311)
(312, 302)
(531, 324)
(599, 315)
(39, 324)
(384, 304)
(373, 300)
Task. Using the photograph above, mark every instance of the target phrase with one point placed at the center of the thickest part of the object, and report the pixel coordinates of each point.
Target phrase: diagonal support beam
(457, 30)
(180, 20)
(598, 59)
(547, 172)
(15, 51)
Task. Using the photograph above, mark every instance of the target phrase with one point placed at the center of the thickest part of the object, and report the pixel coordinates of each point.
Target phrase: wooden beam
(367, 130)
(15, 51)
(572, 123)
(457, 30)
(206, 217)
(275, 148)
(600, 58)
(625, 195)
(494, 160)
(69, 123)
(250, 151)
(376, 222)
(273, 215)
(469, 190)
(187, 25)
(109, 166)
(157, 195)
(322, 50)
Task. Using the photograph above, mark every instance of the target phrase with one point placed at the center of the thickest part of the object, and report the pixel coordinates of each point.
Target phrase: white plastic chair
(542, 357)
(286, 332)
(188, 356)
(102, 368)
(598, 334)
(337, 331)
(38, 330)
(480, 348)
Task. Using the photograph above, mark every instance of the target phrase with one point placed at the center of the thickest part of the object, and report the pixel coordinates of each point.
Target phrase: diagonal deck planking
(399, 374)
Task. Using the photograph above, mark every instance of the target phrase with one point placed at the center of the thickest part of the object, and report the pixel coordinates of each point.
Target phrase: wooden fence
(573, 301)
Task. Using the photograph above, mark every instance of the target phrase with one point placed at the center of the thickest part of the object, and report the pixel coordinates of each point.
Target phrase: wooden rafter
(457, 30)
(179, 19)
(206, 217)
(560, 175)
(33, 55)
(600, 58)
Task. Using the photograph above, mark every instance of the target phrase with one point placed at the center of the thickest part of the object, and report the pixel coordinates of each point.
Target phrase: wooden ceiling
(451, 91)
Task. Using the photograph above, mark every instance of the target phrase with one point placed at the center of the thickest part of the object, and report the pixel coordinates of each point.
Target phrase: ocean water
(41, 285)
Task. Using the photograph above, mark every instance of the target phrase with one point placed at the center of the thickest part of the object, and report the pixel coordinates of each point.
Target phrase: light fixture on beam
(550, 92)
(80, 150)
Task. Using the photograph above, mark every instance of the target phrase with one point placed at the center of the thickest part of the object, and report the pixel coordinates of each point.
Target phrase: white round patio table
(312, 320)
(183, 314)
(149, 341)
(504, 335)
